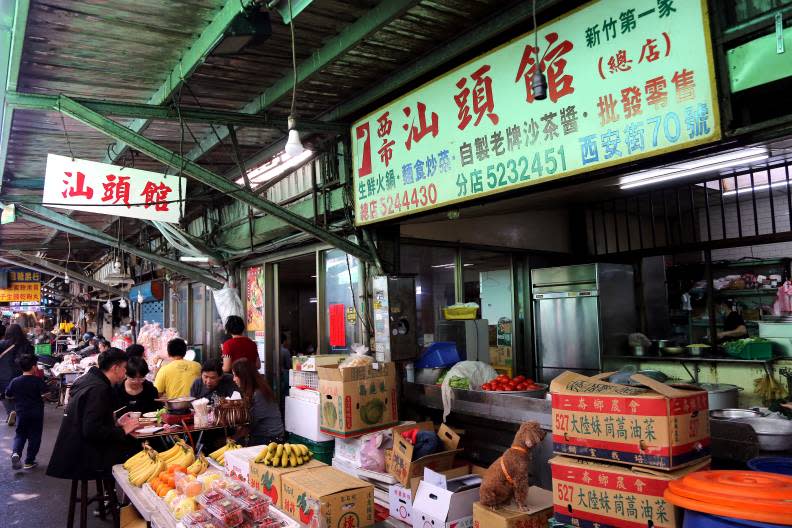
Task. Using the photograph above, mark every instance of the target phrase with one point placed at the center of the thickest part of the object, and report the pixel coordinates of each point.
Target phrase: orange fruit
(173, 468)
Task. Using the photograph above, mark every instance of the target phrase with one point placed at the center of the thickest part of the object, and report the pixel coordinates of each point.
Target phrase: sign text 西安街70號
(627, 79)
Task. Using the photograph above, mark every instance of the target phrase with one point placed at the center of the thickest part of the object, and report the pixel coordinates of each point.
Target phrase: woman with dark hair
(266, 424)
(239, 346)
(14, 345)
(136, 393)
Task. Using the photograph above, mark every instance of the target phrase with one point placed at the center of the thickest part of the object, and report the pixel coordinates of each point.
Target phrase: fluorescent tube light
(762, 187)
(201, 260)
(693, 167)
(275, 167)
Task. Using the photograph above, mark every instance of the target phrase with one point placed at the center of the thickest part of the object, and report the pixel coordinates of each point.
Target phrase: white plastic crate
(300, 378)
(308, 395)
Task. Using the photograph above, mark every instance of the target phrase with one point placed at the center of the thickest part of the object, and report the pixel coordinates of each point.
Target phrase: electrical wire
(294, 59)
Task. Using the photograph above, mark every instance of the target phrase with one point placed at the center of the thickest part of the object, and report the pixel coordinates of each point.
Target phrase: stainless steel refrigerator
(580, 314)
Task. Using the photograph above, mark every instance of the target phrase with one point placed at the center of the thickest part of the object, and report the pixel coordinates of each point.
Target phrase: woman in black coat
(9, 368)
(89, 440)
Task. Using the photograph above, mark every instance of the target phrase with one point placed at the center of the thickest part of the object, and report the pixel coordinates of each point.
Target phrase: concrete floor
(28, 498)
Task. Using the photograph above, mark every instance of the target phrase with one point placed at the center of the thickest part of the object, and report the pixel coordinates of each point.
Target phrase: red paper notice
(337, 325)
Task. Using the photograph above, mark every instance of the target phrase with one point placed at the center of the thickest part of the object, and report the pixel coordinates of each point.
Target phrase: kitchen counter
(499, 406)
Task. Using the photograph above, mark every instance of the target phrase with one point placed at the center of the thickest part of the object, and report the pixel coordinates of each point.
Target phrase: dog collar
(519, 448)
(506, 473)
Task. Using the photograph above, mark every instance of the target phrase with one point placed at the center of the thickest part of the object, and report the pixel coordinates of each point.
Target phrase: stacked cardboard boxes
(621, 446)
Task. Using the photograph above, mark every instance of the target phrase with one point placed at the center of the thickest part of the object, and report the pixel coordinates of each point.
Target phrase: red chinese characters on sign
(552, 63)
(156, 195)
(79, 189)
(685, 85)
(619, 62)
(117, 189)
(362, 133)
(483, 102)
(384, 130)
(416, 133)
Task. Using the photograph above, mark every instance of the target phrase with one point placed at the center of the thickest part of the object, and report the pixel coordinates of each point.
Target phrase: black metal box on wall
(395, 331)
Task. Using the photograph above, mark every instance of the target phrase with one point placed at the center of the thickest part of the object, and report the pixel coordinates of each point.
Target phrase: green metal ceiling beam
(58, 271)
(168, 113)
(26, 183)
(363, 27)
(12, 37)
(190, 59)
(48, 218)
(442, 56)
(289, 12)
(118, 132)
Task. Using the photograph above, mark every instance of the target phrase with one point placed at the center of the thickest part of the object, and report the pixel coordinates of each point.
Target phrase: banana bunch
(180, 454)
(284, 455)
(138, 457)
(145, 468)
(219, 455)
(199, 466)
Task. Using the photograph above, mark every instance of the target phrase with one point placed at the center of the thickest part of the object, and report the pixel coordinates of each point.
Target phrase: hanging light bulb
(140, 298)
(294, 146)
(538, 80)
(65, 277)
(108, 306)
(117, 266)
(122, 303)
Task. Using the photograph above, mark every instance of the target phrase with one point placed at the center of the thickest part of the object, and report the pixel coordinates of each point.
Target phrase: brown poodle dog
(509, 476)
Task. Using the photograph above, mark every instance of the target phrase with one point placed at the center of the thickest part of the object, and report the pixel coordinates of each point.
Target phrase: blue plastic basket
(772, 464)
(438, 355)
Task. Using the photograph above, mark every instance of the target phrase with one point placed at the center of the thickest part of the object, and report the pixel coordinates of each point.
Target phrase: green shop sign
(627, 79)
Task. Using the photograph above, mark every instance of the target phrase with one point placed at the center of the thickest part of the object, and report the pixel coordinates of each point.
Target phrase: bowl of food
(672, 350)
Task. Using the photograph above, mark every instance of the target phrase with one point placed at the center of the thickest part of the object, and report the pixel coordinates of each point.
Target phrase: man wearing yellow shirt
(175, 379)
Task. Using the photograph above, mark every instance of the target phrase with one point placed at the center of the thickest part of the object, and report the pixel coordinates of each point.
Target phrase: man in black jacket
(89, 440)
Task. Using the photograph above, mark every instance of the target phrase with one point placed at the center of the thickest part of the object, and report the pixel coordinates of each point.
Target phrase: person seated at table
(265, 424)
(136, 351)
(136, 393)
(733, 324)
(175, 378)
(239, 346)
(213, 383)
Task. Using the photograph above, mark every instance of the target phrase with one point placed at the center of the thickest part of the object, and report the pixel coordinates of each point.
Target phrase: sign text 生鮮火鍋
(626, 79)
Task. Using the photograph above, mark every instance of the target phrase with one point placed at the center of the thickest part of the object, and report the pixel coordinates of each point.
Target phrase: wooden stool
(99, 498)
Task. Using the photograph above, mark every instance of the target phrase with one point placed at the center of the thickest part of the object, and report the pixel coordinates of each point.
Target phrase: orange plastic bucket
(749, 495)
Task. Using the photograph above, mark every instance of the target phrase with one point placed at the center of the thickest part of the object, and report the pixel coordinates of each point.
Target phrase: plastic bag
(372, 456)
(358, 357)
(228, 303)
(476, 372)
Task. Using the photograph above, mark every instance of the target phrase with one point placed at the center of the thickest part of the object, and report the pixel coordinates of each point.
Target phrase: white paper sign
(112, 190)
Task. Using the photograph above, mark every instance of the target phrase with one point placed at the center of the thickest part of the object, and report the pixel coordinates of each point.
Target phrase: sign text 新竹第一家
(626, 79)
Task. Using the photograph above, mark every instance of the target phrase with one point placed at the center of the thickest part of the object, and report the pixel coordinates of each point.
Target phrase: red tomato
(502, 378)
(512, 386)
(529, 381)
(522, 387)
(486, 387)
(519, 379)
(532, 387)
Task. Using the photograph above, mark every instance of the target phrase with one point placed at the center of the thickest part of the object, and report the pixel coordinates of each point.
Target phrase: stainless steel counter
(503, 407)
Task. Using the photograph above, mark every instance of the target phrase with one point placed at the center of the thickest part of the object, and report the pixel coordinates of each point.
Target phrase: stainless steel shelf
(693, 359)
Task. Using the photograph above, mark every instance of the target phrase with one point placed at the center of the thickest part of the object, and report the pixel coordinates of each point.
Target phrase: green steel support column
(377, 17)
(12, 46)
(120, 133)
(51, 219)
(58, 271)
(191, 58)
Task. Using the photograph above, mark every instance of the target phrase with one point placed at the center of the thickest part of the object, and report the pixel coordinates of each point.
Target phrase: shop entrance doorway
(297, 302)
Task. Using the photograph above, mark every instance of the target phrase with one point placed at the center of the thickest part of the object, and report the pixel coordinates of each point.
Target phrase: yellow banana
(272, 446)
(293, 460)
(135, 459)
(279, 451)
(284, 460)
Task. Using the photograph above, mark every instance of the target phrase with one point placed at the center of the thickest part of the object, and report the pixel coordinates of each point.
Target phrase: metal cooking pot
(773, 434)
(179, 404)
(734, 414)
(721, 395)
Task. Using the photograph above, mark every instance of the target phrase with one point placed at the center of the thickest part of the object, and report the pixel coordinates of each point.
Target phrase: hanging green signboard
(627, 79)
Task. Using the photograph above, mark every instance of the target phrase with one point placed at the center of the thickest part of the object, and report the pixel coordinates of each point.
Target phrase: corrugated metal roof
(122, 50)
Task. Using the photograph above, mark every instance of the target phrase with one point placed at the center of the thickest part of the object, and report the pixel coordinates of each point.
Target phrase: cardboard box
(302, 418)
(586, 493)
(269, 480)
(358, 400)
(442, 503)
(311, 363)
(660, 427)
(539, 511)
(501, 356)
(402, 465)
(339, 499)
(237, 462)
(400, 498)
